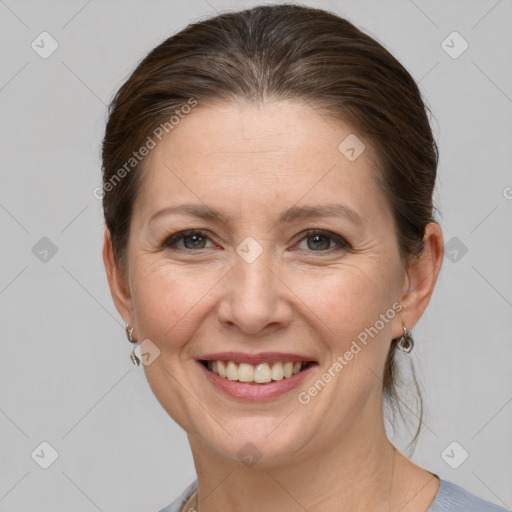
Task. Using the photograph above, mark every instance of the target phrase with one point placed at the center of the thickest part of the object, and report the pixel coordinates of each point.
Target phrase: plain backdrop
(65, 375)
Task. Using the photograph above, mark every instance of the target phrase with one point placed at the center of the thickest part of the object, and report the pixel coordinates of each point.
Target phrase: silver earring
(129, 334)
(133, 356)
(405, 343)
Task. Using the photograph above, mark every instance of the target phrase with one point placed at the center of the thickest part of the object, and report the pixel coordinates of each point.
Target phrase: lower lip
(255, 392)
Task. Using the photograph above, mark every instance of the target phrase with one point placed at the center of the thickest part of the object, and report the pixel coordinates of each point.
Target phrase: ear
(421, 278)
(116, 281)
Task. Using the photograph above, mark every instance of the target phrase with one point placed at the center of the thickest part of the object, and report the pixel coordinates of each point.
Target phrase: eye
(192, 239)
(318, 240)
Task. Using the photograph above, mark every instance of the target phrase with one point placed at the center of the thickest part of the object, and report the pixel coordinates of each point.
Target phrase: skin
(253, 162)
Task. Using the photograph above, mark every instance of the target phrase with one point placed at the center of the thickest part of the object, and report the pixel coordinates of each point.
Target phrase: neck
(359, 473)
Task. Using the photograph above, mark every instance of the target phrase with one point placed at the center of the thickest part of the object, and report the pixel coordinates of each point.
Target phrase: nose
(255, 300)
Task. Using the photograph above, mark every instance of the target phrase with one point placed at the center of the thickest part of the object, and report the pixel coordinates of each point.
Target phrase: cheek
(345, 300)
(169, 300)
(344, 306)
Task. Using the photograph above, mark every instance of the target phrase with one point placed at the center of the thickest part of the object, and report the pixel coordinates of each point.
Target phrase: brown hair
(272, 53)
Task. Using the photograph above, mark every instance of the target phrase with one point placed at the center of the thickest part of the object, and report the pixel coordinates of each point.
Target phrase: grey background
(65, 375)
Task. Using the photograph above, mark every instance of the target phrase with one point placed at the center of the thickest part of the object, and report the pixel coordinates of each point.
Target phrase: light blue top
(449, 498)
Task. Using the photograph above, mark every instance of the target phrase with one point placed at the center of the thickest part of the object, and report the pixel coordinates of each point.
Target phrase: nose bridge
(253, 262)
(255, 297)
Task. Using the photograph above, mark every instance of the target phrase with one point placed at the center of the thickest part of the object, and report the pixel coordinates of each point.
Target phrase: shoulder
(178, 503)
(449, 498)
(453, 498)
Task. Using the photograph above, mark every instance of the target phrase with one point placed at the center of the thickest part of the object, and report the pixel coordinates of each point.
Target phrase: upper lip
(261, 357)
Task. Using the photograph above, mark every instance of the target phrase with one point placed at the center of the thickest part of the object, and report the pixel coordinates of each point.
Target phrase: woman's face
(255, 281)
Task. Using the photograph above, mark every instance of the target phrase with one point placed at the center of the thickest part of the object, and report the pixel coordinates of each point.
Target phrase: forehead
(259, 157)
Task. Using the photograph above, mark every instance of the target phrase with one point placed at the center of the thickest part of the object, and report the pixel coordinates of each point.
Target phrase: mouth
(259, 374)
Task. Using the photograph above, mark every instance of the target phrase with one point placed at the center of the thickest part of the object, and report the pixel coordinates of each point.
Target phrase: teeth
(221, 369)
(245, 372)
(277, 372)
(261, 373)
(232, 371)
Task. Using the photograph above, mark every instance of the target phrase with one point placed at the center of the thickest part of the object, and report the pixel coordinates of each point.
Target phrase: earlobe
(422, 275)
(116, 281)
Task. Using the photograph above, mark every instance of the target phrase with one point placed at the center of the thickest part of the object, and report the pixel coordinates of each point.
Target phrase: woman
(270, 244)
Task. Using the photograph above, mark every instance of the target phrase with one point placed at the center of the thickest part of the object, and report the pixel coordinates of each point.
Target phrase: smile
(257, 381)
(262, 373)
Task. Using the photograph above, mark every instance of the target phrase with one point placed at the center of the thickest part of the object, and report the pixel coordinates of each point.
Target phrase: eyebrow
(290, 215)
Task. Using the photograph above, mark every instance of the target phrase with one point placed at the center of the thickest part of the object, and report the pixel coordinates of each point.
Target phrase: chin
(262, 442)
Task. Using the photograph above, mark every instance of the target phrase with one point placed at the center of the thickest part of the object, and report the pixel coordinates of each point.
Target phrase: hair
(278, 53)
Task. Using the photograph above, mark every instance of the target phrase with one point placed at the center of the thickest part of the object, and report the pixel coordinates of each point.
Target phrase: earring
(133, 356)
(405, 343)
(129, 334)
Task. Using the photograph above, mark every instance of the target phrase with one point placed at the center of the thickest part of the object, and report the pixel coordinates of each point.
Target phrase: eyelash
(343, 245)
